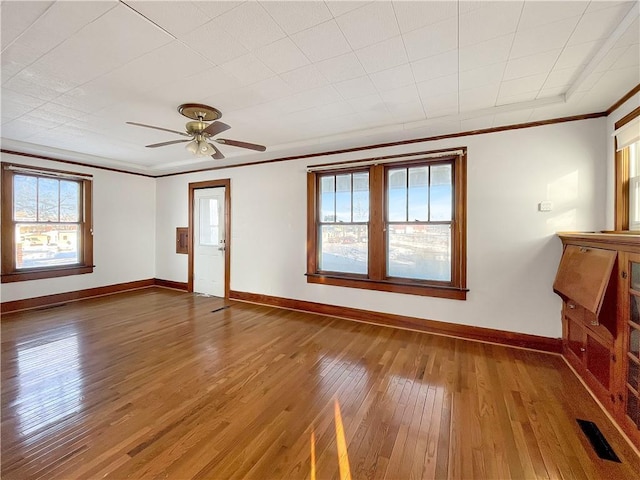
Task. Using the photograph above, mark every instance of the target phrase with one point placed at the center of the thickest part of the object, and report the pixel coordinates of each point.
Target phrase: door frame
(226, 183)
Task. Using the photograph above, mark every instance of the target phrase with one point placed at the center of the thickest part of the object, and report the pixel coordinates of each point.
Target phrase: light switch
(545, 206)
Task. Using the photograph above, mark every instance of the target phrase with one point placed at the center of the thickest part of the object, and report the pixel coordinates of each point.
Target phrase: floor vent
(221, 308)
(49, 307)
(598, 442)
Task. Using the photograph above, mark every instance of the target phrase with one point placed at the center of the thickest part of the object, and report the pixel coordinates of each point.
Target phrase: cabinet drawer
(592, 323)
(574, 311)
(581, 315)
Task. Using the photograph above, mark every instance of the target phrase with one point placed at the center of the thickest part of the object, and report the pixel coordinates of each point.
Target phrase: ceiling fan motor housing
(195, 127)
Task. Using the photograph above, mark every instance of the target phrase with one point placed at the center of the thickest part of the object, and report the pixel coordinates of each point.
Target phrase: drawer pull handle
(583, 249)
(595, 322)
(572, 306)
(582, 349)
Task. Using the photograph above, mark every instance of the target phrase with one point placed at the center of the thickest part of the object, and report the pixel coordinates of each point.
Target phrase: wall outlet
(545, 206)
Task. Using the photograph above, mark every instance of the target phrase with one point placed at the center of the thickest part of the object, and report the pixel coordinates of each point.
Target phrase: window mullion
(37, 199)
(459, 222)
(377, 227)
(406, 195)
(313, 221)
(351, 201)
(58, 201)
(429, 192)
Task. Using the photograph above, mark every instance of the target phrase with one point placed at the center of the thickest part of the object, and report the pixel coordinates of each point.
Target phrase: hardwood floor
(153, 384)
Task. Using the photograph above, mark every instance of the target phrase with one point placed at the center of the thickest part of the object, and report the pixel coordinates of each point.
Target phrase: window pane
(344, 248)
(634, 340)
(397, 195)
(25, 194)
(47, 245)
(633, 375)
(69, 201)
(421, 252)
(635, 315)
(635, 276)
(634, 160)
(208, 221)
(343, 198)
(48, 200)
(327, 199)
(441, 193)
(361, 197)
(633, 407)
(418, 194)
(634, 187)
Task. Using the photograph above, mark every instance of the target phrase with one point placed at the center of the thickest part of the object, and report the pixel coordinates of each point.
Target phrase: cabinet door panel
(575, 337)
(634, 312)
(599, 361)
(583, 275)
(635, 276)
(631, 342)
(634, 340)
(633, 408)
(633, 374)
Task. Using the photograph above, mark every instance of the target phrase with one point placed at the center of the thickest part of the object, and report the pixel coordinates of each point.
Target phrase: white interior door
(208, 241)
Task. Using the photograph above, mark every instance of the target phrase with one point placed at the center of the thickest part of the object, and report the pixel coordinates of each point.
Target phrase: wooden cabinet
(599, 281)
(590, 349)
(630, 312)
(584, 274)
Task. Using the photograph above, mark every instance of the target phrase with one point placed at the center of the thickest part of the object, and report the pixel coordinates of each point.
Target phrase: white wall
(124, 209)
(513, 251)
(620, 112)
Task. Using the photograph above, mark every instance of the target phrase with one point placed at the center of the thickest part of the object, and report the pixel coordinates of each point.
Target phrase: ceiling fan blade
(218, 155)
(216, 128)
(154, 145)
(236, 143)
(159, 128)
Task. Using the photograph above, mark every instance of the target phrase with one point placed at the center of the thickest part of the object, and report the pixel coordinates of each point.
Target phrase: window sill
(37, 274)
(453, 293)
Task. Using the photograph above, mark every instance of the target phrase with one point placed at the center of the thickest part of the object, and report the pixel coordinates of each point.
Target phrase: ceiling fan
(200, 132)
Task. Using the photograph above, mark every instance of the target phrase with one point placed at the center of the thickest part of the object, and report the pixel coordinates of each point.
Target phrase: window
(396, 227)
(344, 222)
(627, 172)
(46, 223)
(633, 154)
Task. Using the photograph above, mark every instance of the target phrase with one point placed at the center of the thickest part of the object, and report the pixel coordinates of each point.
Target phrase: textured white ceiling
(298, 75)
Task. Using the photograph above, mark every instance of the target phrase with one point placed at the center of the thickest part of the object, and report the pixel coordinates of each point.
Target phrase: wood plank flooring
(153, 384)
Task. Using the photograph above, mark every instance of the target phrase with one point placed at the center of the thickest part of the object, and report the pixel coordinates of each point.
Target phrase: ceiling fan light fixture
(200, 132)
(205, 149)
(200, 147)
(192, 147)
